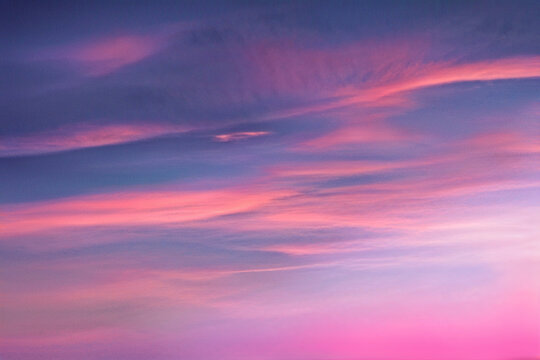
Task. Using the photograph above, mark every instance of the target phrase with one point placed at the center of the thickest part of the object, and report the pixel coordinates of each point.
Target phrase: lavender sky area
(269, 180)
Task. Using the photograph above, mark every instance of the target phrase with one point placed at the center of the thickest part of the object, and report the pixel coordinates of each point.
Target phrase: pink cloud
(369, 133)
(388, 88)
(105, 55)
(286, 68)
(482, 164)
(508, 142)
(490, 146)
(441, 74)
(391, 90)
(137, 208)
(83, 136)
(324, 170)
(416, 205)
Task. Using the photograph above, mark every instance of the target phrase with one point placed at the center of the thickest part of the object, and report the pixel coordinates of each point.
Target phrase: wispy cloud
(82, 136)
(105, 55)
(385, 91)
(138, 208)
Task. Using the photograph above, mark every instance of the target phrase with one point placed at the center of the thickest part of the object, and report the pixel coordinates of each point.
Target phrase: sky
(270, 180)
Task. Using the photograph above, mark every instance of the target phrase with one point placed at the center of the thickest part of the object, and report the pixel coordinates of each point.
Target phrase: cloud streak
(80, 137)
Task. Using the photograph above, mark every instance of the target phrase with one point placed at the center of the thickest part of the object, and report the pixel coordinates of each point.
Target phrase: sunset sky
(268, 180)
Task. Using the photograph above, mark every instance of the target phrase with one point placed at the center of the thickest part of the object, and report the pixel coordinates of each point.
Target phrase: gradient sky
(239, 180)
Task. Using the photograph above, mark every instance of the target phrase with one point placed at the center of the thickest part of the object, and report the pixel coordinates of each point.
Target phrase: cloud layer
(293, 181)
